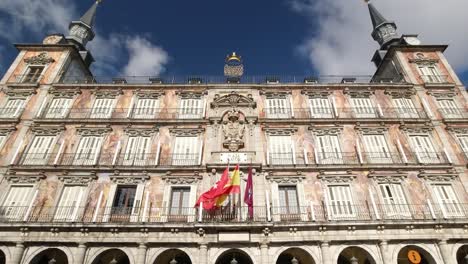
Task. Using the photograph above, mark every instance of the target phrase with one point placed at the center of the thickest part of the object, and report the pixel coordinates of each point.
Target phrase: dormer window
(430, 74)
(33, 74)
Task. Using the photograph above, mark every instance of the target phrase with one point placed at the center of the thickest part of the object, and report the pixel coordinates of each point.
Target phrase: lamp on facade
(466, 259)
(113, 261)
(52, 261)
(354, 260)
(234, 261)
(294, 260)
(173, 261)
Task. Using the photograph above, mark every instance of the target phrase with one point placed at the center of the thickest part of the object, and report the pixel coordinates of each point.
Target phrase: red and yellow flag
(231, 188)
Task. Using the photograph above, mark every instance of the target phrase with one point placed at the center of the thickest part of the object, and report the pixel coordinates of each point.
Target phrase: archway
(355, 255)
(2, 257)
(234, 256)
(295, 256)
(173, 256)
(426, 258)
(50, 256)
(462, 255)
(114, 256)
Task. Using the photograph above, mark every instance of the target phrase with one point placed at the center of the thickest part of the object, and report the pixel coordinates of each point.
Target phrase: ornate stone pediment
(135, 132)
(336, 178)
(387, 178)
(93, 131)
(438, 177)
(148, 94)
(24, 179)
(421, 59)
(77, 180)
(5, 131)
(280, 131)
(41, 59)
(47, 131)
(321, 131)
(400, 93)
(233, 100)
(417, 129)
(126, 179)
(323, 93)
(190, 94)
(20, 93)
(285, 179)
(449, 93)
(372, 130)
(181, 179)
(359, 92)
(186, 131)
(458, 130)
(65, 93)
(107, 93)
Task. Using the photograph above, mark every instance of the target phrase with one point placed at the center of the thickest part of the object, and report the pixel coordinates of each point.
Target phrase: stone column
(203, 254)
(17, 253)
(386, 258)
(141, 254)
(326, 255)
(445, 251)
(264, 252)
(80, 253)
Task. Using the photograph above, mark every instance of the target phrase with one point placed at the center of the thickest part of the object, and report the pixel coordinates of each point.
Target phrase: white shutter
(394, 200)
(102, 108)
(281, 150)
(109, 203)
(449, 109)
(405, 108)
(39, 151)
(278, 108)
(363, 107)
(340, 201)
(190, 108)
(329, 149)
(13, 108)
(58, 108)
(136, 207)
(463, 139)
(185, 151)
(448, 200)
(69, 203)
(17, 202)
(146, 108)
(2, 140)
(88, 150)
(320, 108)
(377, 149)
(424, 149)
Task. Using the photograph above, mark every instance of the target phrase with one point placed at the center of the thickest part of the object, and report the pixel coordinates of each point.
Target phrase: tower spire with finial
(81, 31)
(385, 32)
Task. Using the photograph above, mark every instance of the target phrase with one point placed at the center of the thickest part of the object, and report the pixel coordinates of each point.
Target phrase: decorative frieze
(458, 130)
(77, 179)
(41, 59)
(275, 94)
(148, 94)
(372, 130)
(233, 100)
(400, 93)
(421, 59)
(24, 179)
(417, 129)
(286, 131)
(366, 93)
(336, 178)
(93, 131)
(293, 179)
(187, 132)
(440, 94)
(64, 93)
(20, 93)
(127, 179)
(323, 93)
(48, 130)
(389, 178)
(140, 132)
(438, 177)
(98, 93)
(6, 131)
(181, 180)
(190, 94)
(322, 131)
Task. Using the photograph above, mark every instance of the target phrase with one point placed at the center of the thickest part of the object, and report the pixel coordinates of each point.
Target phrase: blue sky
(181, 37)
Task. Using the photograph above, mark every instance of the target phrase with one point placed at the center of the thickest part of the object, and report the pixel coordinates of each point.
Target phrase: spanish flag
(233, 187)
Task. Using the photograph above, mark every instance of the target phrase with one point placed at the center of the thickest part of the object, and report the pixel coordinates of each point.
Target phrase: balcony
(122, 114)
(313, 213)
(333, 114)
(11, 113)
(435, 79)
(453, 113)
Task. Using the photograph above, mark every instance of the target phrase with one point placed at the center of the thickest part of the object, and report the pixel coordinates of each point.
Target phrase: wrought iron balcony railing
(435, 79)
(11, 113)
(313, 213)
(344, 113)
(31, 78)
(453, 113)
(123, 113)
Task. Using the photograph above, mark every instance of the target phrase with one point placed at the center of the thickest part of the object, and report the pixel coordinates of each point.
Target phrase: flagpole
(240, 197)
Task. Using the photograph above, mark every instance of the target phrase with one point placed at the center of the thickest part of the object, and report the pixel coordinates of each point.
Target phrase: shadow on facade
(355, 255)
(2, 257)
(295, 256)
(462, 255)
(114, 256)
(234, 256)
(426, 258)
(48, 256)
(175, 256)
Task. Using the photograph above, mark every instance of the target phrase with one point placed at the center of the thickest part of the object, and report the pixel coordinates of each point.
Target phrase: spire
(90, 15)
(81, 31)
(385, 32)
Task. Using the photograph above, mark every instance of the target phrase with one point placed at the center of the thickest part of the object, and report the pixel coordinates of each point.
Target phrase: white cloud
(38, 18)
(341, 43)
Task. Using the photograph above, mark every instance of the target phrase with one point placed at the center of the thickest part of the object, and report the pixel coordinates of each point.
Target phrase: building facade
(359, 171)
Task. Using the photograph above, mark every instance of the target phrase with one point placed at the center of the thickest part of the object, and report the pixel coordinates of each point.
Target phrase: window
(339, 201)
(362, 107)
(191, 108)
(377, 149)
(102, 108)
(430, 74)
(405, 108)
(463, 140)
(13, 108)
(320, 108)
(33, 73)
(69, 203)
(328, 150)
(447, 200)
(179, 204)
(278, 108)
(281, 150)
(3, 139)
(288, 200)
(186, 150)
(39, 151)
(88, 151)
(137, 151)
(17, 202)
(394, 202)
(449, 109)
(424, 149)
(123, 203)
(146, 108)
(58, 108)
